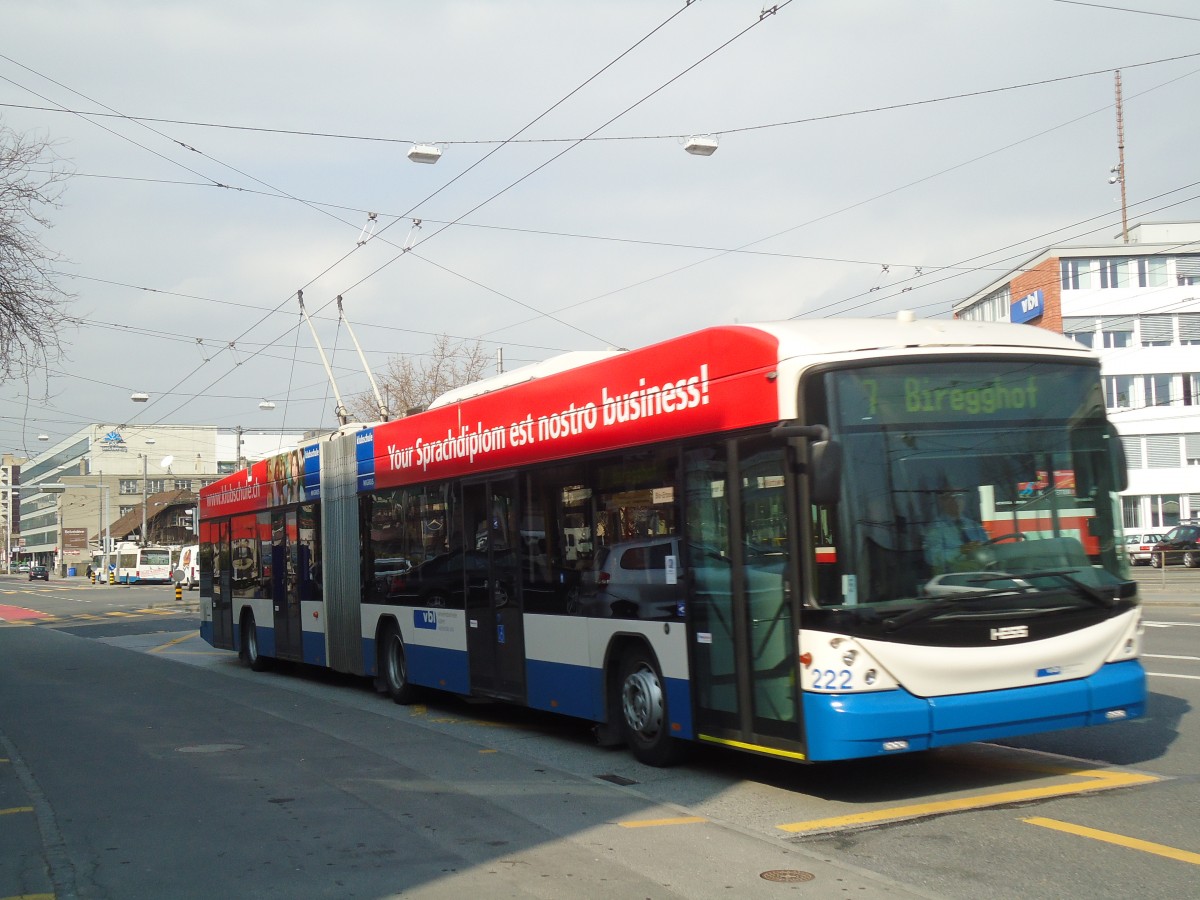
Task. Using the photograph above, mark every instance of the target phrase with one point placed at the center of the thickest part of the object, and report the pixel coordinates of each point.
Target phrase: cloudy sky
(873, 155)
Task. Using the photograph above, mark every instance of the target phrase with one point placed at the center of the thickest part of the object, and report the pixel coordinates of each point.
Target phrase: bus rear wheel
(393, 665)
(643, 703)
(248, 653)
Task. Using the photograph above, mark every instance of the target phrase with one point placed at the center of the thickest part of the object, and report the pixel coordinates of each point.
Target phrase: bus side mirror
(824, 472)
(1120, 464)
(824, 459)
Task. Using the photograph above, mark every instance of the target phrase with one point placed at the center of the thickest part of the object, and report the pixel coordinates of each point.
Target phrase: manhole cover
(210, 748)
(617, 779)
(787, 875)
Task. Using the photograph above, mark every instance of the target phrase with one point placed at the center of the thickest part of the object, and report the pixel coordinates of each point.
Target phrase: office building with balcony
(1137, 305)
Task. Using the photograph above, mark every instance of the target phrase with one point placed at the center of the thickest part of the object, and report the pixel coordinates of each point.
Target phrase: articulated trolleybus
(814, 540)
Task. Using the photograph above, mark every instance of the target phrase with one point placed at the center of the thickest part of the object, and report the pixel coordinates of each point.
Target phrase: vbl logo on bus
(425, 618)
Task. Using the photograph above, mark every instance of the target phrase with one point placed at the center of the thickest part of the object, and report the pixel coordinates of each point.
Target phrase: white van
(189, 567)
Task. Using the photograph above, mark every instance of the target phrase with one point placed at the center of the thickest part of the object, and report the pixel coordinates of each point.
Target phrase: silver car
(1140, 547)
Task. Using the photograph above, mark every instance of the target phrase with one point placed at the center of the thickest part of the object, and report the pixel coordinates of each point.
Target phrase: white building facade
(1137, 305)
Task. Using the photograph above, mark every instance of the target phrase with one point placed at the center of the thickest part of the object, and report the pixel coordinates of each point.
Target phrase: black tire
(1156, 560)
(642, 706)
(393, 667)
(248, 653)
(1191, 559)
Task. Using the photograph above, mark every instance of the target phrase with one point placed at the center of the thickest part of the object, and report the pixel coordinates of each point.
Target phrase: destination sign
(966, 392)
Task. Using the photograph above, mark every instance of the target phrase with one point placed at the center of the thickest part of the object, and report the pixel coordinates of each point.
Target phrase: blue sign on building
(1028, 307)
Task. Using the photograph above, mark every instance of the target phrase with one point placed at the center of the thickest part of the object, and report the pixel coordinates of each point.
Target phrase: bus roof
(814, 337)
(825, 337)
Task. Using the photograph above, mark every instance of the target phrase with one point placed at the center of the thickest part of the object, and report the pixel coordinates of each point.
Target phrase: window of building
(1191, 389)
(126, 510)
(130, 486)
(1191, 456)
(1131, 512)
(1189, 328)
(226, 468)
(1156, 331)
(156, 485)
(1187, 270)
(1164, 511)
(1118, 391)
(992, 308)
(1152, 271)
(1081, 329)
(1162, 451)
(1133, 451)
(1116, 331)
(1114, 273)
(1157, 389)
(1076, 274)
(182, 484)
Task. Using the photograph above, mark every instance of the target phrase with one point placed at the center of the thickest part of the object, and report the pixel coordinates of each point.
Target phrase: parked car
(39, 572)
(1140, 547)
(1180, 544)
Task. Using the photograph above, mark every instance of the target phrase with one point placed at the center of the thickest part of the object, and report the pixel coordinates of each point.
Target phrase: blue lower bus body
(850, 726)
(837, 726)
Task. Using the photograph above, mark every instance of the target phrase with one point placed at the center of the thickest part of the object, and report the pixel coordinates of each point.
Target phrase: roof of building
(156, 505)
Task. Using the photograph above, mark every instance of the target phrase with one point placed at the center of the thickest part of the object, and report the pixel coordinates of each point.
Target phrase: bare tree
(32, 305)
(413, 382)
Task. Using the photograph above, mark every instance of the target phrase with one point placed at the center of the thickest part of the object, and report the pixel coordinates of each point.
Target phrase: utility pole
(1120, 173)
(239, 430)
(145, 497)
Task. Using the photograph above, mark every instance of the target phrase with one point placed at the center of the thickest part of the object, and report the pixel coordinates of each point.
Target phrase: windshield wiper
(1089, 592)
(940, 604)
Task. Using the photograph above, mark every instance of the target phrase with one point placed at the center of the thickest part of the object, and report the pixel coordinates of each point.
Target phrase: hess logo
(1010, 632)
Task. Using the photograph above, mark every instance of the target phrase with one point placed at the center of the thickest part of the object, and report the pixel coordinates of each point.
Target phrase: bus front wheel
(643, 704)
(394, 667)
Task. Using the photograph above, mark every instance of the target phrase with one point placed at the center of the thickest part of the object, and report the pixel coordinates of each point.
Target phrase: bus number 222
(832, 680)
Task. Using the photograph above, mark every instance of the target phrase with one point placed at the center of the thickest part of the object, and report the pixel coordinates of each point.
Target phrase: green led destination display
(966, 392)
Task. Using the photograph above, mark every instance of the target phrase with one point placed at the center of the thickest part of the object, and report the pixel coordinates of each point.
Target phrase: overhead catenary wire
(906, 104)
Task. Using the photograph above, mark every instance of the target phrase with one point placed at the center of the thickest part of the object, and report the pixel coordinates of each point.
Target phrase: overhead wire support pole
(383, 410)
(1121, 159)
(340, 410)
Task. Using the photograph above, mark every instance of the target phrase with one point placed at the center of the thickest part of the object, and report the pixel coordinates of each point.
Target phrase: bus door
(222, 587)
(742, 617)
(285, 552)
(495, 630)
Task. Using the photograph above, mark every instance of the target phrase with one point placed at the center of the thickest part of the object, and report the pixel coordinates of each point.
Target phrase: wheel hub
(642, 701)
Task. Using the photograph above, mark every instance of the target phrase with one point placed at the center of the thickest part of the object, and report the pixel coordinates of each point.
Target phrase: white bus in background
(188, 569)
(141, 565)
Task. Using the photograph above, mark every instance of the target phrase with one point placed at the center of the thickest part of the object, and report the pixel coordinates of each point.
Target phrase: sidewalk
(1154, 589)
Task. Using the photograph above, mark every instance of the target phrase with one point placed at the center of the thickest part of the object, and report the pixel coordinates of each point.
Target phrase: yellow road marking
(1098, 781)
(161, 647)
(652, 823)
(30, 897)
(15, 809)
(117, 612)
(1119, 839)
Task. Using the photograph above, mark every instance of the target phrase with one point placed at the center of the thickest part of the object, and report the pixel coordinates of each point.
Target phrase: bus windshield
(987, 477)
